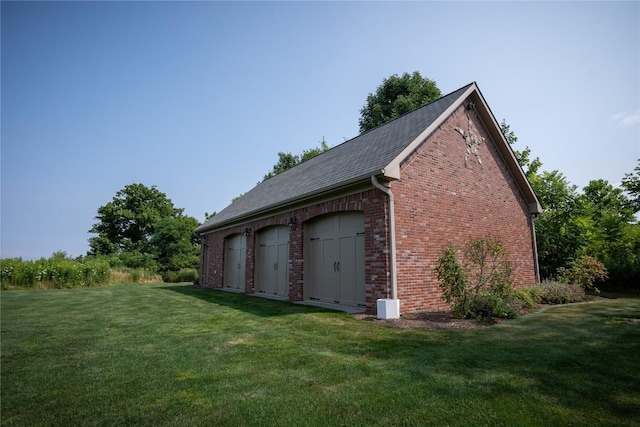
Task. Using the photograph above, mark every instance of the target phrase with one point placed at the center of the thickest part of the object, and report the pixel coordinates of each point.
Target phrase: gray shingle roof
(362, 156)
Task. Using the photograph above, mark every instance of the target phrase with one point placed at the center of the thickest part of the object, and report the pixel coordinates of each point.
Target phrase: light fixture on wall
(203, 239)
(247, 232)
(293, 223)
(471, 105)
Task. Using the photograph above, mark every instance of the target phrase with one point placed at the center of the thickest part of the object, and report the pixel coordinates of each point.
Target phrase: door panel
(336, 258)
(329, 283)
(235, 260)
(315, 268)
(359, 271)
(272, 263)
(347, 270)
(262, 268)
(282, 270)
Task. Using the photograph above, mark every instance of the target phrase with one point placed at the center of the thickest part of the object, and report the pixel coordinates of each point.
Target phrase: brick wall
(442, 199)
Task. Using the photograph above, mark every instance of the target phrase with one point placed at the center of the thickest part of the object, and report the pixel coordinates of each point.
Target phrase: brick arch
(373, 204)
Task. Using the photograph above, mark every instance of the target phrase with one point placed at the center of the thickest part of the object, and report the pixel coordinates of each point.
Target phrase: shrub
(556, 292)
(528, 297)
(481, 286)
(585, 271)
(490, 304)
(453, 282)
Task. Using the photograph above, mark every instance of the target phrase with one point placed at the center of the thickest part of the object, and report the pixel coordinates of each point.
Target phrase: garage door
(272, 262)
(336, 259)
(235, 248)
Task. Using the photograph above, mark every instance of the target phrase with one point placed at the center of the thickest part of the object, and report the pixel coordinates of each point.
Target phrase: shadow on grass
(249, 304)
(580, 359)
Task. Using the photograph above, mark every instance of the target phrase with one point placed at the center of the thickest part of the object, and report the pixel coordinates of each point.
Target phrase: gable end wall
(440, 200)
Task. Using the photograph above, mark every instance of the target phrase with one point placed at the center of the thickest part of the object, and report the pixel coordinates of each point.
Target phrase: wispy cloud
(627, 119)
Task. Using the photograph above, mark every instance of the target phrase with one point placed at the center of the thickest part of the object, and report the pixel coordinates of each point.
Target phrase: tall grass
(134, 275)
(188, 275)
(53, 273)
(58, 273)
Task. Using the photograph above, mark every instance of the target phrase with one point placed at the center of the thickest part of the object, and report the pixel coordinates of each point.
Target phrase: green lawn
(177, 355)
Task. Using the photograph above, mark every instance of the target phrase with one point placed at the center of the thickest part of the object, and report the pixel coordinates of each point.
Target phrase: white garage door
(235, 249)
(272, 263)
(336, 256)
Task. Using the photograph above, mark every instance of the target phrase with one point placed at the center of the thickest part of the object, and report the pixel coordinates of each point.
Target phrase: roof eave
(291, 203)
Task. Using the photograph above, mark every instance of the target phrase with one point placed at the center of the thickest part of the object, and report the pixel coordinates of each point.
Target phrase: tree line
(599, 221)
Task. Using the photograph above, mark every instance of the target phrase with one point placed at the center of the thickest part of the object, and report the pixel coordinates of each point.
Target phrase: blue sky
(198, 98)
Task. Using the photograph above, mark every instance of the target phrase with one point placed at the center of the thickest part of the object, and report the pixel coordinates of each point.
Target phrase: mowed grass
(177, 355)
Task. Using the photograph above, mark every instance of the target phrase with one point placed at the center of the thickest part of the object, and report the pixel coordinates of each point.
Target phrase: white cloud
(627, 119)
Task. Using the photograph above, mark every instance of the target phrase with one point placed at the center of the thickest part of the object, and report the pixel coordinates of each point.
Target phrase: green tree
(560, 232)
(530, 167)
(310, 153)
(174, 245)
(395, 97)
(598, 223)
(141, 228)
(603, 199)
(631, 184)
(614, 237)
(128, 222)
(285, 161)
(288, 160)
(59, 255)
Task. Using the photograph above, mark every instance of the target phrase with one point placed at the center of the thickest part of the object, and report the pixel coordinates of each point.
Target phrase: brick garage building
(363, 224)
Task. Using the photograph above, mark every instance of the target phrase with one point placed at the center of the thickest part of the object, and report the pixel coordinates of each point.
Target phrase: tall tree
(560, 233)
(310, 153)
(604, 199)
(395, 97)
(614, 237)
(631, 184)
(530, 167)
(128, 222)
(285, 161)
(288, 160)
(174, 245)
(140, 228)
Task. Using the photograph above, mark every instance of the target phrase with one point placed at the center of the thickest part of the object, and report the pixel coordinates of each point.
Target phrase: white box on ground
(388, 308)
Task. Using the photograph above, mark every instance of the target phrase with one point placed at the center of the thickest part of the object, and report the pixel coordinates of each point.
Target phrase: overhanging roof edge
(288, 203)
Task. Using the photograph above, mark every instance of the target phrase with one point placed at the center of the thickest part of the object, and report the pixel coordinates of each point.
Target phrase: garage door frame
(235, 261)
(334, 253)
(272, 261)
